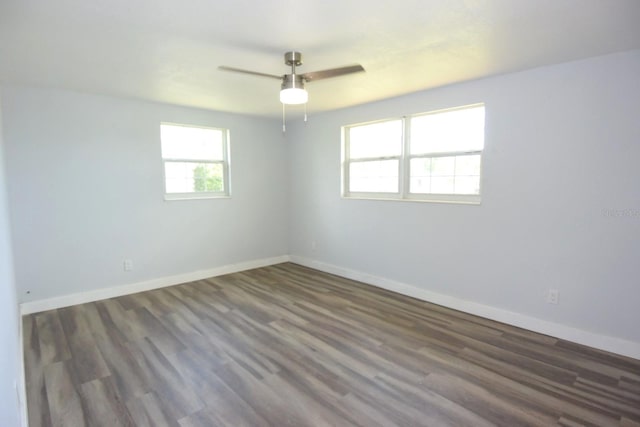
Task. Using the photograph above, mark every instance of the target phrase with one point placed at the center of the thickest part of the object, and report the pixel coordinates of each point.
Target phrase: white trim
(22, 380)
(405, 157)
(460, 199)
(161, 282)
(580, 336)
(201, 195)
(225, 162)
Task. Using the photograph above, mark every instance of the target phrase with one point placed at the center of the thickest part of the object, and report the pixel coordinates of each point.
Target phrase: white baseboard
(599, 341)
(161, 282)
(602, 342)
(22, 381)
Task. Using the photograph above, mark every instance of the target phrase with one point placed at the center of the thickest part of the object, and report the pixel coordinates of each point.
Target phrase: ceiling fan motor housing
(293, 58)
(291, 81)
(293, 90)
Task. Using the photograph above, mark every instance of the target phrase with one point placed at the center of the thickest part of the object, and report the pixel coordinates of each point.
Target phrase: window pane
(468, 165)
(443, 166)
(420, 185)
(449, 131)
(467, 185)
(375, 140)
(442, 185)
(420, 175)
(190, 177)
(183, 142)
(445, 175)
(374, 177)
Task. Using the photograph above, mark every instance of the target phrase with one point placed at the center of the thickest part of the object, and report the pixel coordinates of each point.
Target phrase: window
(375, 152)
(433, 157)
(196, 161)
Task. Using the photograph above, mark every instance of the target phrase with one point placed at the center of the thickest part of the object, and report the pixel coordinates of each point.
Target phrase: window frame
(347, 161)
(404, 164)
(225, 162)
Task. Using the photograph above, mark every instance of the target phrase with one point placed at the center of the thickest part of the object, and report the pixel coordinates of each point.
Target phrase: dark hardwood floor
(289, 346)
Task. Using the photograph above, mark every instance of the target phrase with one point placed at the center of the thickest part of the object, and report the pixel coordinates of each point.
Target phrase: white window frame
(225, 162)
(404, 172)
(347, 161)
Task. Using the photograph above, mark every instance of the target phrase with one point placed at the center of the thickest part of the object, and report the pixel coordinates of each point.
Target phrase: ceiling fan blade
(253, 73)
(333, 72)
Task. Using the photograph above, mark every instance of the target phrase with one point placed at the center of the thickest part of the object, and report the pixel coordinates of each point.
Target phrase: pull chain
(284, 117)
(284, 127)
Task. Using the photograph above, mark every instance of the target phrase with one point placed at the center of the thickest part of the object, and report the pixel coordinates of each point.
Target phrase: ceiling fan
(292, 88)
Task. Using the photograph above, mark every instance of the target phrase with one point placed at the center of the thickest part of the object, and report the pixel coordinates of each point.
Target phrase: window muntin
(195, 161)
(434, 157)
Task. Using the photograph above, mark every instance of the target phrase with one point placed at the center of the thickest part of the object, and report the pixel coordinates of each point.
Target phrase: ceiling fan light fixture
(293, 91)
(294, 96)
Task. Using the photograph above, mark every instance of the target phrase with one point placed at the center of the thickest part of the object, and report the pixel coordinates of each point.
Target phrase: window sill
(448, 199)
(194, 196)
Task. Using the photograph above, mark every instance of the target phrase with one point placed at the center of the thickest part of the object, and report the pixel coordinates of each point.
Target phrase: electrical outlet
(553, 296)
(127, 265)
(313, 245)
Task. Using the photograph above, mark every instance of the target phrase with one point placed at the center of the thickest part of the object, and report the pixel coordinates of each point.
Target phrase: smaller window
(196, 161)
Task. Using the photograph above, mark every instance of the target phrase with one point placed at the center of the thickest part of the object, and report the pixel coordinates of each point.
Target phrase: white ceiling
(169, 50)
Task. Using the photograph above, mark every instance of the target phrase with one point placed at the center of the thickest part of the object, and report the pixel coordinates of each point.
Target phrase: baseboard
(602, 342)
(161, 282)
(22, 384)
(599, 341)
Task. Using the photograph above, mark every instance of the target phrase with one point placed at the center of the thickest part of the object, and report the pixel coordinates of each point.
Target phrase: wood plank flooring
(290, 346)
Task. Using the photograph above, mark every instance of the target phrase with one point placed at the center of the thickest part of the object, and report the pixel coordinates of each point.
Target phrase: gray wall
(9, 355)
(86, 192)
(560, 205)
